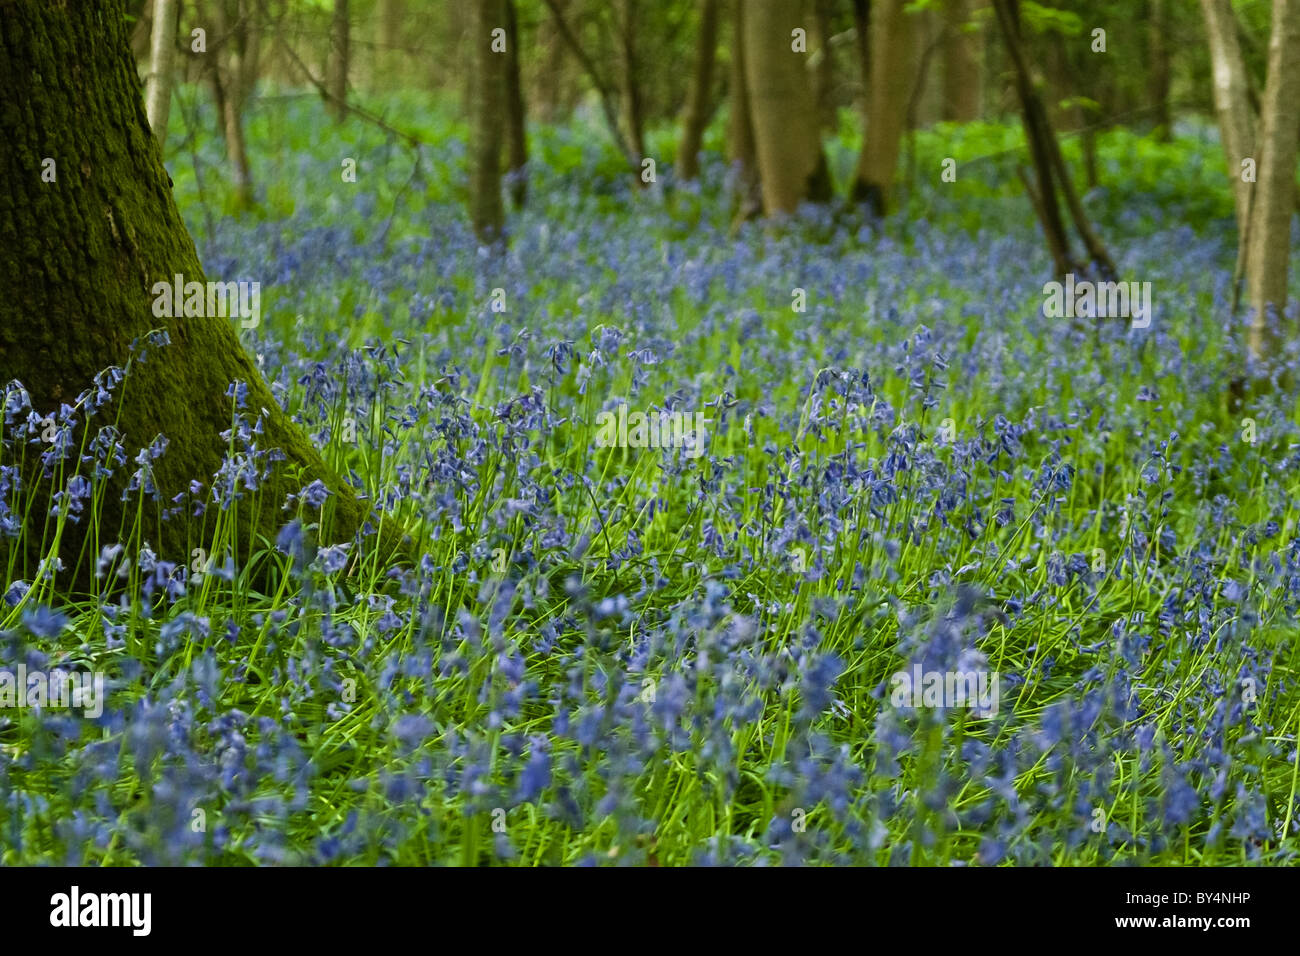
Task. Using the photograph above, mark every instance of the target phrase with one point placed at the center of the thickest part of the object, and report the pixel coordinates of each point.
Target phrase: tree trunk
(925, 106)
(824, 71)
(549, 87)
(1269, 243)
(632, 97)
(741, 152)
(340, 57)
(962, 71)
(604, 89)
(141, 15)
(791, 163)
(162, 57)
(862, 31)
(517, 127)
(389, 59)
(696, 116)
(229, 74)
(1158, 75)
(487, 105)
(893, 76)
(76, 290)
(1231, 102)
(1034, 116)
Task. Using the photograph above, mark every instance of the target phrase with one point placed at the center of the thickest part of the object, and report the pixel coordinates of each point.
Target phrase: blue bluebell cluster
(627, 656)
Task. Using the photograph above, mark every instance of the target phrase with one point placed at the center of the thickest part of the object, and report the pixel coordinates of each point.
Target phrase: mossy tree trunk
(81, 255)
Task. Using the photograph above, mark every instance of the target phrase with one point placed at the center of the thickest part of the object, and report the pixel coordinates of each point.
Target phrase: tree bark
(487, 104)
(962, 73)
(824, 71)
(231, 64)
(1231, 101)
(925, 107)
(862, 31)
(517, 127)
(631, 81)
(1044, 198)
(1158, 75)
(604, 88)
(791, 163)
(82, 255)
(340, 60)
(696, 116)
(1048, 160)
(1269, 243)
(390, 58)
(893, 77)
(162, 58)
(741, 151)
(548, 91)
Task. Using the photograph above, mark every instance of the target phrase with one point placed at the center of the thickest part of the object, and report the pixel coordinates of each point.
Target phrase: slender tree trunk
(1044, 197)
(228, 74)
(962, 73)
(741, 151)
(1158, 74)
(517, 127)
(162, 58)
(824, 72)
(1231, 101)
(1042, 135)
(604, 88)
(1269, 243)
(388, 67)
(340, 60)
(893, 78)
(232, 127)
(925, 107)
(77, 289)
(632, 94)
(862, 29)
(1060, 77)
(548, 90)
(792, 165)
(142, 16)
(488, 105)
(697, 112)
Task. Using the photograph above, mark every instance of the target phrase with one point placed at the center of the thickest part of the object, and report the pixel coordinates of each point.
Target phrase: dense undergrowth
(632, 655)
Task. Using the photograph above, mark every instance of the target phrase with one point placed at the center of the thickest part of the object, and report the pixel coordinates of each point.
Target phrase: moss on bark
(78, 259)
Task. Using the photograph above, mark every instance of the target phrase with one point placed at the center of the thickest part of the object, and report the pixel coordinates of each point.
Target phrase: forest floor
(618, 653)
